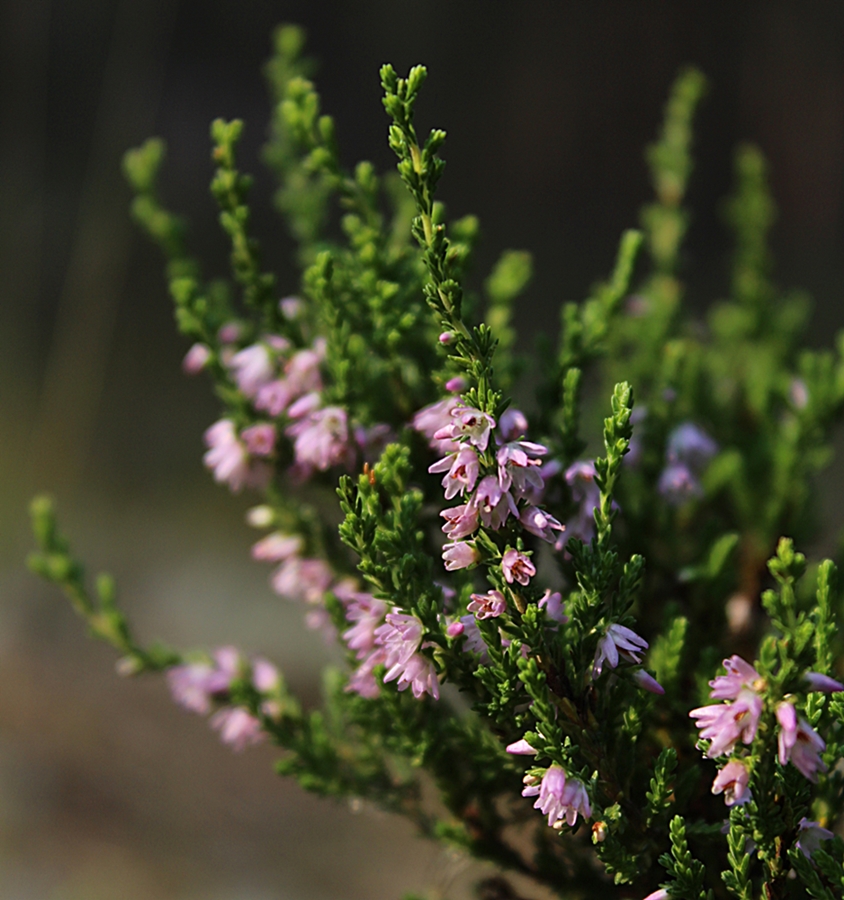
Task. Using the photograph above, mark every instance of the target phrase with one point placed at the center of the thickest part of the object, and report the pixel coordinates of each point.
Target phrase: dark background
(105, 789)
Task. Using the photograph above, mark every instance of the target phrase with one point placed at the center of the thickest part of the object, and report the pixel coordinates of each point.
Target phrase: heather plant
(616, 668)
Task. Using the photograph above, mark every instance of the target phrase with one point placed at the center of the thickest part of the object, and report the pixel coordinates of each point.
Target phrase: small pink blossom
(725, 723)
(740, 675)
(559, 797)
(229, 460)
(302, 579)
(512, 425)
(455, 629)
(473, 639)
(400, 637)
(520, 748)
(494, 505)
(276, 547)
(259, 439)
(196, 359)
(291, 308)
(367, 614)
(552, 603)
(193, 685)
(617, 642)
(460, 521)
(647, 682)
(799, 743)
(460, 555)
(470, 423)
(252, 368)
(362, 681)
(322, 439)
(517, 566)
(461, 470)
(230, 332)
(540, 523)
(823, 683)
(430, 419)
(456, 385)
(487, 606)
(305, 405)
(519, 468)
(732, 782)
(237, 727)
(661, 894)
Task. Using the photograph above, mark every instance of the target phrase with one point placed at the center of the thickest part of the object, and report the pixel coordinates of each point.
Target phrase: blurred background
(106, 789)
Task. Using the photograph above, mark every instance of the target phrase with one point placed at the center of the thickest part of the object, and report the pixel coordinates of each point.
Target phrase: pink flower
(430, 419)
(259, 439)
(661, 894)
(461, 470)
(460, 555)
(276, 547)
(230, 332)
(229, 461)
(519, 471)
(362, 681)
(367, 614)
(512, 425)
(520, 748)
(470, 423)
(252, 368)
(237, 727)
(691, 445)
(473, 639)
(460, 521)
(493, 504)
(456, 385)
(724, 723)
(560, 798)
(517, 567)
(799, 743)
(487, 606)
(455, 629)
(322, 439)
(196, 359)
(540, 523)
(291, 308)
(740, 675)
(305, 405)
(618, 641)
(732, 782)
(677, 484)
(552, 603)
(193, 685)
(302, 579)
(400, 637)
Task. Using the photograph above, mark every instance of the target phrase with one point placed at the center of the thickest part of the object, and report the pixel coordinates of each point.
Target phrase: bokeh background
(107, 790)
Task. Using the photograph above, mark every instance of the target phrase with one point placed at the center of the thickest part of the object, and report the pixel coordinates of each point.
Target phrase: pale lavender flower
(732, 781)
(517, 566)
(799, 743)
(456, 385)
(237, 727)
(229, 460)
(322, 439)
(678, 484)
(302, 579)
(690, 444)
(276, 547)
(362, 681)
(512, 425)
(661, 894)
(540, 523)
(519, 470)
(305, 405)
(473, 639)
(430, 419)
(560, 798)
(493, 504)
(520, 748)
(259, 439)
(823, 683)
(460, 521)
(193, 685)
(647, 682)
(367, 613)
(461, 470)
(455, 629)
(460, 555)
(487, 606)
(618, 641)
(265, 676)
(291, 308)
(274, 397)
(196, 359)
(466, 421)
(552, 603)
(580, 477)
(810, 835)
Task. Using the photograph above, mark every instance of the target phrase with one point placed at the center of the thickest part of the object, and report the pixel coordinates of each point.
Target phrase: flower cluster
(203, 687)
(559, 796)
(725, 724)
